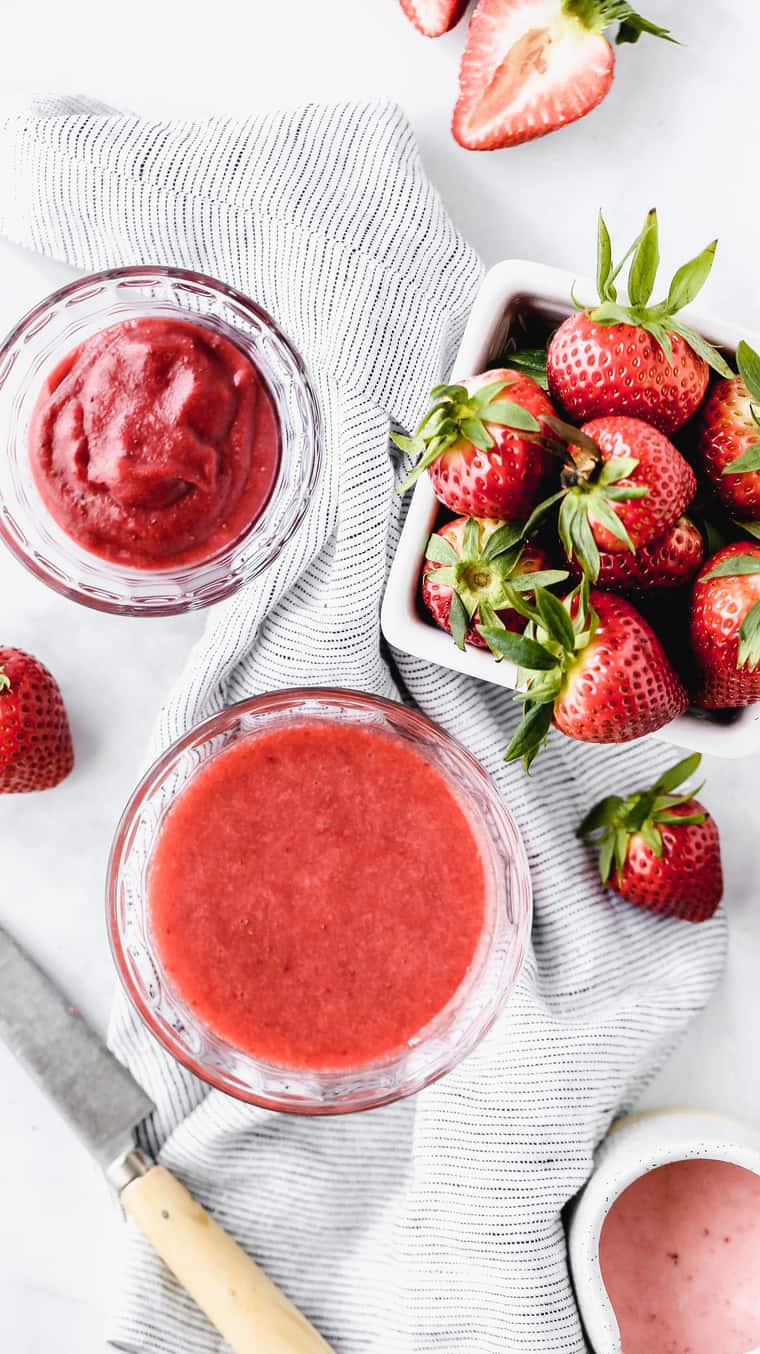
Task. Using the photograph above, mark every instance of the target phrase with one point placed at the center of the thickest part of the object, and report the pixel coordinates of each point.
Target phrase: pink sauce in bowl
(317, 901)
(680, 1260)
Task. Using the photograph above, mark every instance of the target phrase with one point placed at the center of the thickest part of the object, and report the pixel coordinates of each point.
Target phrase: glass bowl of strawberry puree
(162, 441)
(317, 901)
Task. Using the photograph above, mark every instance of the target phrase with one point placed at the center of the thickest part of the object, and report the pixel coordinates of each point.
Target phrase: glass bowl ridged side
(61, 323)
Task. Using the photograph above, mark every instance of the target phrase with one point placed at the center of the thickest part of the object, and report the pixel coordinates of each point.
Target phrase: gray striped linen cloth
(434, 1224)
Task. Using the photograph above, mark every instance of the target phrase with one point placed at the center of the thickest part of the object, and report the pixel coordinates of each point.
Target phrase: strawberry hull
(518, 306)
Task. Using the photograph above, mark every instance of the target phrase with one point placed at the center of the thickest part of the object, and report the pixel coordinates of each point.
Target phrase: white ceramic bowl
(509, 290)
(635, 1146)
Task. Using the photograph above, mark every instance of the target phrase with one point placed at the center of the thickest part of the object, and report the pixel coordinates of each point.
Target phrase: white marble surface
(678, 130)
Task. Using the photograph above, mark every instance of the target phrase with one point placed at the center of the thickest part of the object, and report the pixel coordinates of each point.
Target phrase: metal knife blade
(97, 1095)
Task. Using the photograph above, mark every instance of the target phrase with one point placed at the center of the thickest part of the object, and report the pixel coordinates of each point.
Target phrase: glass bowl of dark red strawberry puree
(162, 440)
(317, 901)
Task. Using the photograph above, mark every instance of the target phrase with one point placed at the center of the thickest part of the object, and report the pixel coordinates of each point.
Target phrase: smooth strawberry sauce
(317, 894)
(154, 443)
(680, 1259)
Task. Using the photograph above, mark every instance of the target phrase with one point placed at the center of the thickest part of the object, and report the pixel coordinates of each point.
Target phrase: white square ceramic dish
(509, 291)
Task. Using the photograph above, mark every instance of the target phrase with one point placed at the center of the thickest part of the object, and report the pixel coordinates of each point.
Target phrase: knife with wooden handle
(104, 1104)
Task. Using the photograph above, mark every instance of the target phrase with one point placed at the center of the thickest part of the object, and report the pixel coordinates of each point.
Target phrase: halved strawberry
(658, 849)
(434, 17)
(468, 562)
(480, 443)
(593, 666)
(725, 627)
(531, 66)
(729, 439)
(635, 359)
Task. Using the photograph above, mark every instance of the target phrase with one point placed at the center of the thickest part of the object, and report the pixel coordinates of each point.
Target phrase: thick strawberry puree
(680, 1259)
(154, 443)
(317, 895)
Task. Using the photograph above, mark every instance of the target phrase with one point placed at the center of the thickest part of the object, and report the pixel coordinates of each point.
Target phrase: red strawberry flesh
(433, 18)
(528, 68)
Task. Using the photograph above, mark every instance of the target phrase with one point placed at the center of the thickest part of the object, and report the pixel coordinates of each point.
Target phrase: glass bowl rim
(293, 698)
(72, 589)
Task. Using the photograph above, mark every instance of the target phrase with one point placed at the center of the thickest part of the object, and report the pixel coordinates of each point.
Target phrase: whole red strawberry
(636, 359)
(434, 17)
(729, 437)
(468, 562)
(624, 486)
(35, 740)
(669, 562)
(531, 66)
(725, 627)
(660, 850)
(478, 444)
(594, 668)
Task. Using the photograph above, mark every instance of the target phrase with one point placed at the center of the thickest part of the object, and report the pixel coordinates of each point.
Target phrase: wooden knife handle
(237, 1297)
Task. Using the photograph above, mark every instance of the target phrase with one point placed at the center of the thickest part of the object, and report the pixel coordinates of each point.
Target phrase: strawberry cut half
(531, 66)
(433, 18)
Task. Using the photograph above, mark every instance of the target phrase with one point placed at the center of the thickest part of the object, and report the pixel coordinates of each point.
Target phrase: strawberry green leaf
(510, 415)
(542, 578)
(748, 362)
(556, 620)
(748, 461)
(623, 493)
(530, 735)
(751, 528)
(505, 564)
(603, 814)
(485, 394)
(678, 773)
(540, 513)
(488, 616)
(606, 516)
(612, 471)
(503, 538)
(604, 284)
(524, 653)
(749, 639)
(411, 446)
(645, 263)
(736, 567)
(702, 348)
(458, 620)
(621, 850)
(440, 551)
(632, 28)
(5, 681)
(682, 819)
(690, 278)
(531, 362)
(444, 574)
(652, 837)
(477, 433)
(471, 539)
(610, 312)
(606, 856)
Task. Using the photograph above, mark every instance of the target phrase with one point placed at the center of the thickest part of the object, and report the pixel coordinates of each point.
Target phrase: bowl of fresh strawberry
(585, 522)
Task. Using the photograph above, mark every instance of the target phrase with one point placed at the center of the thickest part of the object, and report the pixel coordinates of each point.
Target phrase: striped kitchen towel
(434, 1224)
